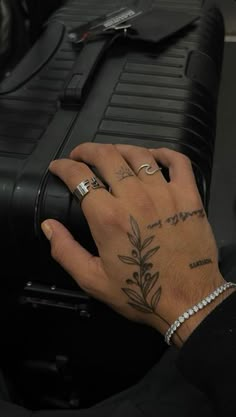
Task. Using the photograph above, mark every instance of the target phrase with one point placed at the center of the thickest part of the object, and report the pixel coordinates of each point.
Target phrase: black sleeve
(208, 358)
(11, 410)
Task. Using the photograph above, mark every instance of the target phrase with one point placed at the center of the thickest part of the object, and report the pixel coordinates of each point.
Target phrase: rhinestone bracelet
(193, 310)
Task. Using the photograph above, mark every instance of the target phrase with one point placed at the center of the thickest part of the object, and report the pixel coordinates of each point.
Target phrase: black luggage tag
(152, 26)
(158, 24)
(106, 24)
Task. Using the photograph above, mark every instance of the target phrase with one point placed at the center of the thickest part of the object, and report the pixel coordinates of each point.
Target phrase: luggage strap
(77, 83)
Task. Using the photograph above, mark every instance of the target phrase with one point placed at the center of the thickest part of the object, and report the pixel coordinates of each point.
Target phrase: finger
(73, 173)
(77, 261)
(143, 163)
(110, 165)
(179, 165)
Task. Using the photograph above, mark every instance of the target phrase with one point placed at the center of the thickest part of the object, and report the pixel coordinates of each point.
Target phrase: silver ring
(148, 168)
(84, 187)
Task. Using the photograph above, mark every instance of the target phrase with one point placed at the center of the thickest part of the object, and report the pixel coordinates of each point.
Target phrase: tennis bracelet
(193, 310)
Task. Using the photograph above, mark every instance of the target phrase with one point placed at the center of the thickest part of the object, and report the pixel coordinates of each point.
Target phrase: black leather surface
(153, 96)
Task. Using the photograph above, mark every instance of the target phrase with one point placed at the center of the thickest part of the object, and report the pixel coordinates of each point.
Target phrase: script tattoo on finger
(178, 217)
(145, 294)
(123, 173)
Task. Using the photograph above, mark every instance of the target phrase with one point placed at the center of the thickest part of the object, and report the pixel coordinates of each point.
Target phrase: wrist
(190, 325)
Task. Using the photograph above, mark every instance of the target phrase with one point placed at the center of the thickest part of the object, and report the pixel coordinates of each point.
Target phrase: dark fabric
(163, 392)
(208, 358)
(4, 394)
(11, 410)
(227, 262)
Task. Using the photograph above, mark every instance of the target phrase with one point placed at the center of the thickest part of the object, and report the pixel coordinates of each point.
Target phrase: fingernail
(47, 230)
(51, 164)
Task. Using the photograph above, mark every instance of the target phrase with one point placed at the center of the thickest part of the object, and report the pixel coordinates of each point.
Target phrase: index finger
(73, 174)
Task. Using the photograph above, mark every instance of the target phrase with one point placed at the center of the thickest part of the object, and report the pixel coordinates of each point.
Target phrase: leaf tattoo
(135, 228)
(142, 309)
(128, 260)
(150, 253)
(133, 240)
(155, 298)
(150, 283)
(143, 281)
(147, 242)
(134, 296)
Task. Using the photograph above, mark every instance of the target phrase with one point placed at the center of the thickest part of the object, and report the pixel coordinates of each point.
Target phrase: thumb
(77, 261)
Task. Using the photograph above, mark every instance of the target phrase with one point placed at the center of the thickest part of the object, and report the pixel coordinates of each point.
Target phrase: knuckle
(105, 151)
(83, 146)
(79, 149)
(73, 172)
(145, 204)
(166, 151)
(184, 159)
(111, 216)
(178, 156)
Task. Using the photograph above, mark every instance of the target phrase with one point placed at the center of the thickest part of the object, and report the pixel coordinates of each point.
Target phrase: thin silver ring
(147, 168)
(84, 188)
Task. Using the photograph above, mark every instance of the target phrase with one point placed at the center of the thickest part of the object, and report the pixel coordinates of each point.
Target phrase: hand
(157, 253)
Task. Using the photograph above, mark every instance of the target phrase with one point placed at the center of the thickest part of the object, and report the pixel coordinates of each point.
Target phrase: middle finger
(110, 164)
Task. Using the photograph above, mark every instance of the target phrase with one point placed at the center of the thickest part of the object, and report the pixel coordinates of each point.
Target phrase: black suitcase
(148, 95)
(143, 94)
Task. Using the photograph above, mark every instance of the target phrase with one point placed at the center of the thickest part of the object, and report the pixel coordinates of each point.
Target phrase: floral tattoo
(144, 296)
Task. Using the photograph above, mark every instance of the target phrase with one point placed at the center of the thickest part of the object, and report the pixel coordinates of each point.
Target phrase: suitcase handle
(77, 84)
(35, 59)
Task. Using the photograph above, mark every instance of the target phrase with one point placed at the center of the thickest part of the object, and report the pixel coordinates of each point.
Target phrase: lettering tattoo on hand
(186, 214)
(123, 173)
(156, 224)
(173, 221)
(202, 262)
(144, 295)
(177, 218)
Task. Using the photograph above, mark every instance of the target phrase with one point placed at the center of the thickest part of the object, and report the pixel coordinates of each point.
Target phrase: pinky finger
(179, 165)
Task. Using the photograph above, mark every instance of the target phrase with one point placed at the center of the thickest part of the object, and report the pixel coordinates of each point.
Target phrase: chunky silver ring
(84, 187)
(148, 168)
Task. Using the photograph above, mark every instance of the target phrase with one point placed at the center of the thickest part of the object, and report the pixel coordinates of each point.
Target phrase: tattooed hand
(157, 253)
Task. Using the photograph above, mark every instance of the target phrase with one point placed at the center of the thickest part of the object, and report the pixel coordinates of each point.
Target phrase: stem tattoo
(144, 296)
